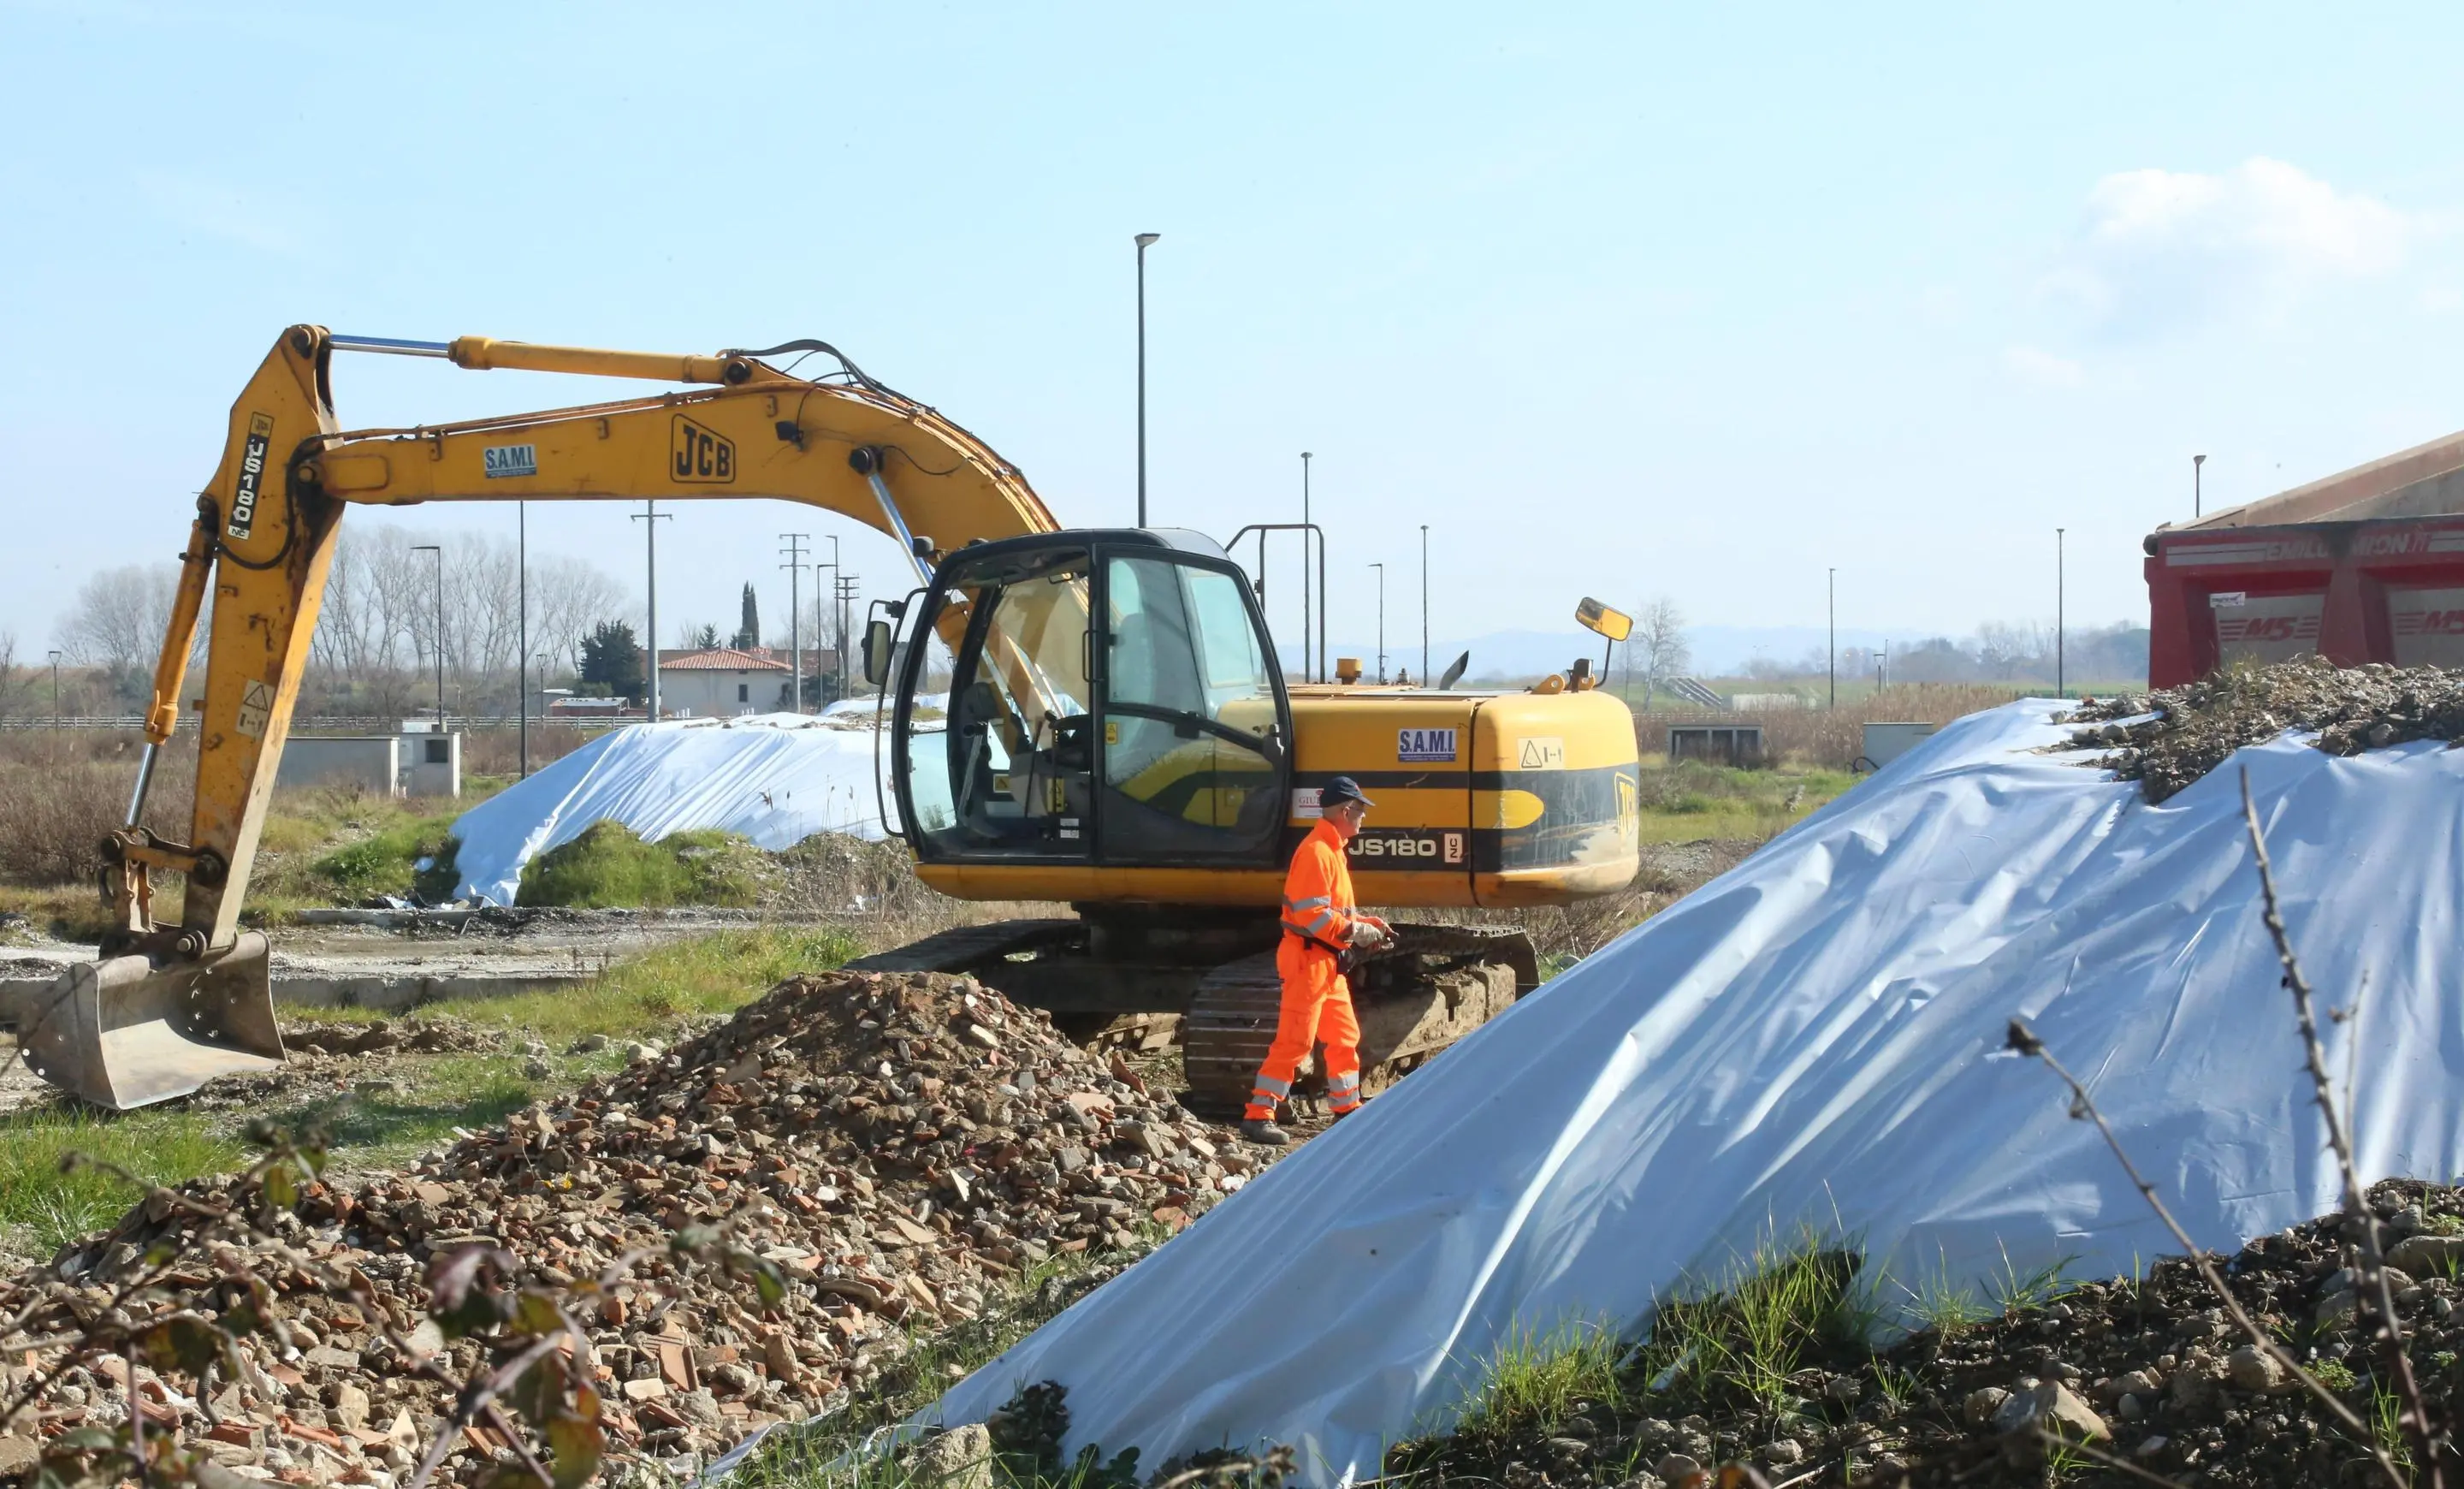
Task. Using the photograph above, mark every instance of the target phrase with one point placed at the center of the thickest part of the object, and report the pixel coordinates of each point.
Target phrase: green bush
(609, 867)
(386, 862)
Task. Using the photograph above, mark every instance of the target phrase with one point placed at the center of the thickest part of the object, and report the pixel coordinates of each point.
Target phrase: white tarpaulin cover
(1815, 1039)
(775, 778)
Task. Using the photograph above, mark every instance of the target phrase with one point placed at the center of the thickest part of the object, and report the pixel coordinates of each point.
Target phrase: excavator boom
(170, 1006)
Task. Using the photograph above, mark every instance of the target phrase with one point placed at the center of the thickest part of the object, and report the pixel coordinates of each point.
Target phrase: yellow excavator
(1117, 731)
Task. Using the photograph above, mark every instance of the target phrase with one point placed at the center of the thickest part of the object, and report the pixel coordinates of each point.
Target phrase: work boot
(1258, 1130)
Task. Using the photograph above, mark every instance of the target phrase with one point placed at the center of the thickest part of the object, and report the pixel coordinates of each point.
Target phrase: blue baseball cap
(1340, 789)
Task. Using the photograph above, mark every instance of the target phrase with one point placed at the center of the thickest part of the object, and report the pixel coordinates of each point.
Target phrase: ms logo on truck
(700, 455)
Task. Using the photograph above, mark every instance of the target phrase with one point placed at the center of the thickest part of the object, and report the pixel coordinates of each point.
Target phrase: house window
(744, 692)
(439, 751)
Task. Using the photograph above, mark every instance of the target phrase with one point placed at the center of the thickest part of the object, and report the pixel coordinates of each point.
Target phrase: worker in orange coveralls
(1321, 927)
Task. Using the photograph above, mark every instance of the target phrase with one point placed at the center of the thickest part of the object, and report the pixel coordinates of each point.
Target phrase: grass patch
(331, 845)
(379, 1128)
(1739, 1343)
(54, 1207)
(609, 867)
(703, 976)
(1534, 1381)
(1687, 800)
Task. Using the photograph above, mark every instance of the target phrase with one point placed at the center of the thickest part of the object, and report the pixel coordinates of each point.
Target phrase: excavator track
(967, 948)
(1433, 986)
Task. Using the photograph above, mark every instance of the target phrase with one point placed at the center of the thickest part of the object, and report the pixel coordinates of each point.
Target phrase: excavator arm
(169, 1005)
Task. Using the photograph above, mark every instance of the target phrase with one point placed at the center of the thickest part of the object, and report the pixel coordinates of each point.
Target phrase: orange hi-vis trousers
(1316, 1005)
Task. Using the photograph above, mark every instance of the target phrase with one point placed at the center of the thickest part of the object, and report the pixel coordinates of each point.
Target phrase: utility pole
(1381, 622)
(795, 568)
(1145, 241)
(2198, 499)
(651, 518)
(846, 584)
(1305, 535)
(1883, 668)
(56, 690)
(1835, 637)
(523, 643)
(2058, 614)
(838, 634)
(439, 551)
(1424, 605)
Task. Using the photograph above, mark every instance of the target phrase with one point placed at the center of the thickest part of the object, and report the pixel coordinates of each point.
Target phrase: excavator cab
(1090, 698)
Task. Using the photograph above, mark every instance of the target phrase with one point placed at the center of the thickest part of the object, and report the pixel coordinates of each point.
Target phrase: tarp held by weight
(1816, 1039)
(775, 778)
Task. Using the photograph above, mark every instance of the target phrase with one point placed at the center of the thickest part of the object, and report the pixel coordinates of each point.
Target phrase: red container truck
(2363, 567)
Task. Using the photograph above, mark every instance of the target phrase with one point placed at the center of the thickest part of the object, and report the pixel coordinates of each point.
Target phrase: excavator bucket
(126, 1032)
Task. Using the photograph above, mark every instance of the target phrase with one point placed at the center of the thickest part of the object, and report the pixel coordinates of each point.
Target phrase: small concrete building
(418, 761)
(723, 682)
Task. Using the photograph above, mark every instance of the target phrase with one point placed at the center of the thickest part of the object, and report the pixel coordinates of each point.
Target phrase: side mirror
(877, 643)
(1601, 620)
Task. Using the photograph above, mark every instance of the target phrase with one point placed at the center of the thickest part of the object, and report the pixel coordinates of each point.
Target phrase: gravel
(904, 1146)
(2166, 740)
(2152, 1370)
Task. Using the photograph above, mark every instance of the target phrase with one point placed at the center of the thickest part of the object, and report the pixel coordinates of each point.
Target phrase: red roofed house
(722, 683)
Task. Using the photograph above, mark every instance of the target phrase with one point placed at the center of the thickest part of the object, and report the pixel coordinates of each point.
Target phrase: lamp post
(1834, 658)
(1381, 622)
(1305, 574)
(522, 642)
(650, 516)
(838, 630)
(56, 690)
(439, 551)
(795, 568)
(1424, 605)
(2058, 614)
(1145, 241)
(2198, 497)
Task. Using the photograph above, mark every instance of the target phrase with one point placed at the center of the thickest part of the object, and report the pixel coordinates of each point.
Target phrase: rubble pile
(2166, 740)
(2153, 1371)
(903, 1146)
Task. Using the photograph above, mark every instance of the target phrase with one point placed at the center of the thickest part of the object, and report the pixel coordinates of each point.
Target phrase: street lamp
(795, 568)
(1834, 605)
(2198, 500)
(1145, 241)
(1381, 622)
(56, 690)
(522, 642)
(2058, 614)
(1424, 605)
(650, 516)
(1305, 576)
(439, 551)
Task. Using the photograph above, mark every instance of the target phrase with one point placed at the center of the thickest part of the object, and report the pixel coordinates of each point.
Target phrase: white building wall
(714, 693)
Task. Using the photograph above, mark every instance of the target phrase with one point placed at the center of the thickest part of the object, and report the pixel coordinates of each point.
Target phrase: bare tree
(2005, 649)
(382, 627)
(120, 617)
(13, 689)
(1659, 643)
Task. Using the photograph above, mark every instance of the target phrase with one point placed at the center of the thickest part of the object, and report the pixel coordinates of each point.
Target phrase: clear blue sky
(1620, 301)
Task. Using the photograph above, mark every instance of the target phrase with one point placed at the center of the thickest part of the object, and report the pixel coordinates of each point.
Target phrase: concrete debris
(2166, 740)
(858, 1130)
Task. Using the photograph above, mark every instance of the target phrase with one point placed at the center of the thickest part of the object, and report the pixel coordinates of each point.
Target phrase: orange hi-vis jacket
(1317, 892)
